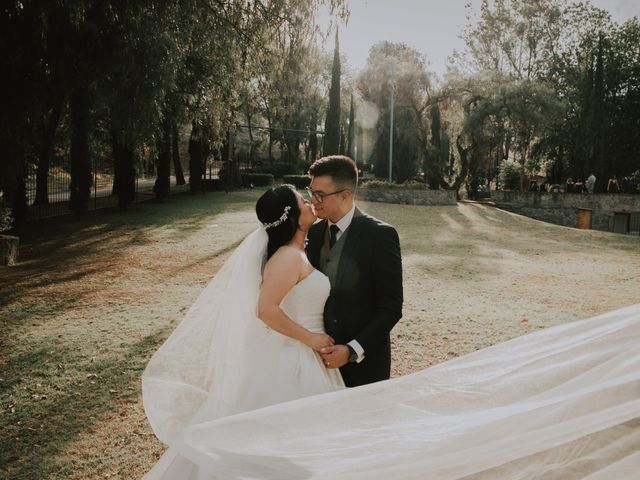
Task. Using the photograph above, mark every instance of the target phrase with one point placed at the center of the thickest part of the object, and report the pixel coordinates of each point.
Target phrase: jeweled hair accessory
(279, 221)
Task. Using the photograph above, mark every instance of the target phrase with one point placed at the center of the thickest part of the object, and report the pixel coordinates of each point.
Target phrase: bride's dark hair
(270, 207)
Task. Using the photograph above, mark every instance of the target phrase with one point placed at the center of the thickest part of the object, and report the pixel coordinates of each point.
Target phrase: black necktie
(333, 230)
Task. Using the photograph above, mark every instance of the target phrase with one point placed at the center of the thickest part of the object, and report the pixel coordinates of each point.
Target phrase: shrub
(408, 185)
(509, 176)
(256, 179)
(6, 218)
(298, 181)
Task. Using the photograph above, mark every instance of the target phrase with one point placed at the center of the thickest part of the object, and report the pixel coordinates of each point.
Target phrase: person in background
(591, 183)
(569, 185)
(612, 185)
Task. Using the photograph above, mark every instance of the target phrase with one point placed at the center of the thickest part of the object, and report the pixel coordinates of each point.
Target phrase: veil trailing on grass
(202, 362)
(561, 403)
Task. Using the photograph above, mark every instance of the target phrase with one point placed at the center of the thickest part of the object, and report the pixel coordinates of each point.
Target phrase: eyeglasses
(320, 196)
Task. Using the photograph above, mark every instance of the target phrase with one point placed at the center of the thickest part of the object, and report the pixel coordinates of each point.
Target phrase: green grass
(91, 300)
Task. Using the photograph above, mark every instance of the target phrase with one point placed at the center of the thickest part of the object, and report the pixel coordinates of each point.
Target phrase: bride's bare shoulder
(285, 258)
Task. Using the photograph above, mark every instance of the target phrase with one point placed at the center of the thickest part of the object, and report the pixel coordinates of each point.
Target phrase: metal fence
(55, 200)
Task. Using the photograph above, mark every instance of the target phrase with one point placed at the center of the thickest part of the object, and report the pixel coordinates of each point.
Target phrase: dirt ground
(90, 301)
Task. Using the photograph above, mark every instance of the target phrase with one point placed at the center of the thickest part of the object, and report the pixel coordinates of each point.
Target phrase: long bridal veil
(200, 366)
(561, 403)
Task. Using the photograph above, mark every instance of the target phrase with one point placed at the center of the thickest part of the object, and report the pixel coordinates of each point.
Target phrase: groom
(361, 256)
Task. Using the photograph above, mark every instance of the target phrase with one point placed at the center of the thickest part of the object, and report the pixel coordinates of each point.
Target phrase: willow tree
(403, 69)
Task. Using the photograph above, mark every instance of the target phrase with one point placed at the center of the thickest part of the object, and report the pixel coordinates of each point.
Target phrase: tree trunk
(359, 150)
(49, 126)
(522, 171)
(15, 197)
(313, 140)
(175, 154)
(198, 153)
(272, 140)
(42, 174)
(12, 172)
(464, 166)
(252, 145)
(80, 163)
(343, 147)
(44, 162)
(433, 170)
(124, 180)
(293, 148)
(162, 185)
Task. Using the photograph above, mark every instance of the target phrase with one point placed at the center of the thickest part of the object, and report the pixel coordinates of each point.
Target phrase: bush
(6, 218)
(509, 176)
(631, 184)
(408, 185)
(256, 179)
(298, 181)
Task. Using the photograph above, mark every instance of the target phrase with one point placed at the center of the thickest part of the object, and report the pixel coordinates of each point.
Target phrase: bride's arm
(281, 274)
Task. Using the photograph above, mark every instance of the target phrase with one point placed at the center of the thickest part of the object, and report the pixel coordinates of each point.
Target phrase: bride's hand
(318, 341)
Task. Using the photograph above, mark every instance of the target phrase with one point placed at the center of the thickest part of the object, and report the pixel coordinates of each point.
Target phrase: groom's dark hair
(270, 207)
(340, 168)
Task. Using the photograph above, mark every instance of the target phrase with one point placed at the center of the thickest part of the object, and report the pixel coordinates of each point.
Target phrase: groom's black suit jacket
(366, 297)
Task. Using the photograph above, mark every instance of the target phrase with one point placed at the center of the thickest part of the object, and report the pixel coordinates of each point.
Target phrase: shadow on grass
(41, 428)
(59, 251)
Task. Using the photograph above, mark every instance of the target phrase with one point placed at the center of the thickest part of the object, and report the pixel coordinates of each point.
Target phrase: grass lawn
(90, 301)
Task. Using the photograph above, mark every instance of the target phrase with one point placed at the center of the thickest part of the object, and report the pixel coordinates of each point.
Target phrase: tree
(112, 73)
(595, 71)
(351, 131)
(517, 38)
(332, 122)
(161, 186)
(433, 156)
(33, 97)
(402, 68)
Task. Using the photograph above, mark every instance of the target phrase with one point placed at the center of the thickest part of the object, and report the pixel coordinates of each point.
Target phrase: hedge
(411, 185)
(298, 181)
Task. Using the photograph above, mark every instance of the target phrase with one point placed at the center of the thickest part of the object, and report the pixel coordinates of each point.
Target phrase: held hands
(318, 341)
(335, 356)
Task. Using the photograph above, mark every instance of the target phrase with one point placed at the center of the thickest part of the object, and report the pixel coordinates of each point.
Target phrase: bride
(250, 340)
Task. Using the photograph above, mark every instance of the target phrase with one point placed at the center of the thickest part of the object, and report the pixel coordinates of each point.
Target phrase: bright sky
(430, 26)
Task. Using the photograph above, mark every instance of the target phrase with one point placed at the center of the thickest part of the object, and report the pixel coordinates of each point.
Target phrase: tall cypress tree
(332, 122)
(352, 130)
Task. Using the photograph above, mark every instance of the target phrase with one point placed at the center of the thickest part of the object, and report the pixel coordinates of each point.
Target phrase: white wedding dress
(223, 360)
(558, 404)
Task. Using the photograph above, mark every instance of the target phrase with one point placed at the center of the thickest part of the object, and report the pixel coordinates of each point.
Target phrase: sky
(430, 26)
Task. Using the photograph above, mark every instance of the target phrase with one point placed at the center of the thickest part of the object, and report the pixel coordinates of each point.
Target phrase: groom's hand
(335, 356)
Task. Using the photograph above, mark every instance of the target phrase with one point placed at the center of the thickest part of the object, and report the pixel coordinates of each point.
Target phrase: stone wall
(407, 197)
(561, 208)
